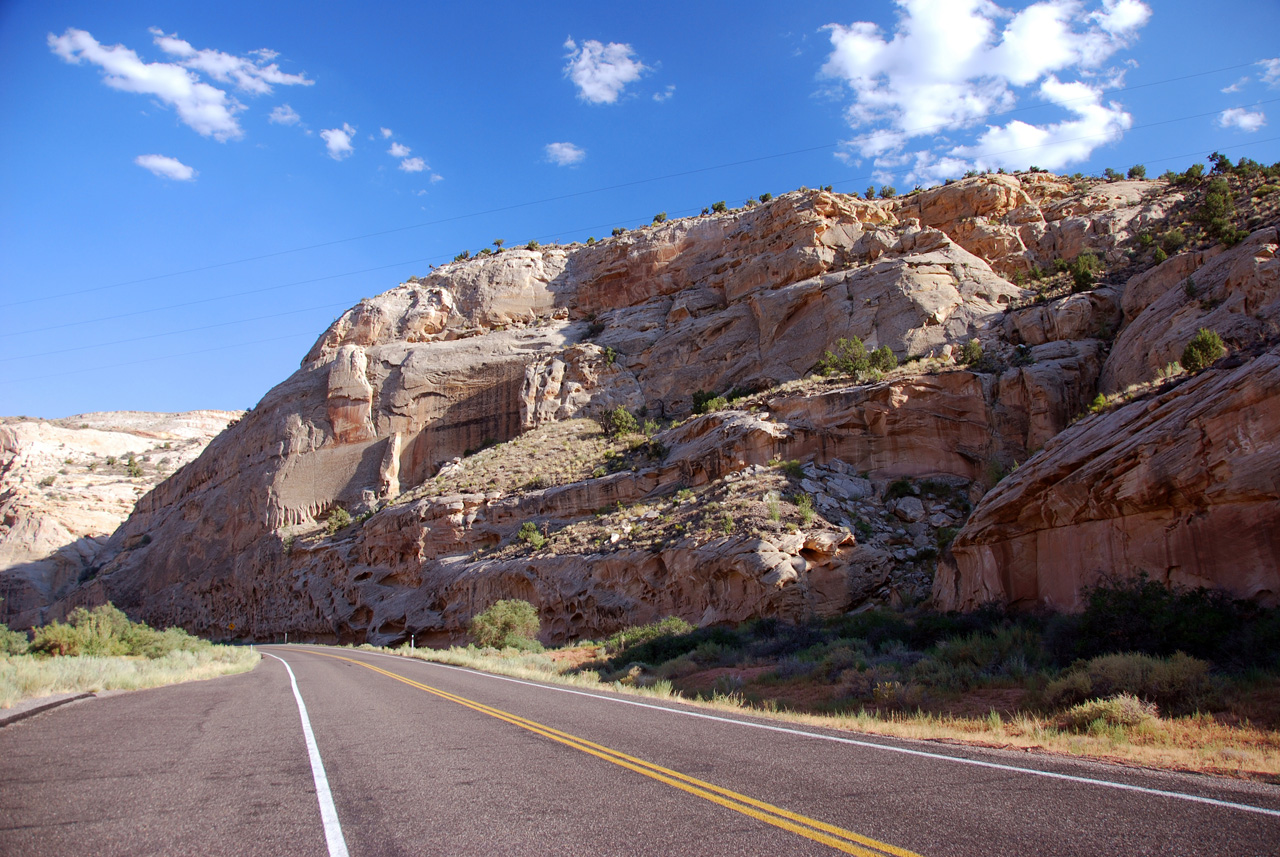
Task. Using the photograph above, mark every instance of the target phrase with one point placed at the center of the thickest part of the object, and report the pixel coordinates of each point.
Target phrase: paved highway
(402, 757)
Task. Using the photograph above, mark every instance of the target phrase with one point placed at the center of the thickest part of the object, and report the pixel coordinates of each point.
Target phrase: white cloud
(1245, 120)
(413, 165)
(386, 132)
(436, 178)
(284, 115)
(951, 63)
(398, 151)
(249, 75)
(564, 154)
(665, 94)
(1055, 145)
(601, 71)
(166, 168)
(206, 109)
(1271, 71)
(1235, 87)
(338, 141)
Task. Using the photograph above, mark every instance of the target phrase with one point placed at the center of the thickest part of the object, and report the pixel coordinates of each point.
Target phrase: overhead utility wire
(909, 132)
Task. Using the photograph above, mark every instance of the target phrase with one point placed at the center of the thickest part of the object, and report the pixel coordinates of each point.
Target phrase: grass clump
(529, 535)
(1124, 710)
(510, 623)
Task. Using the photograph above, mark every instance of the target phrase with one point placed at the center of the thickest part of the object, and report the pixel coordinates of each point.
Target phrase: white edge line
(328, 812)
(869, 744)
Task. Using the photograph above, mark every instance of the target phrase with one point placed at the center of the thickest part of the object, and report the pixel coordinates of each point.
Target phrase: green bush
(719, 207)
(882, 359)
(1204, 349)
(619, 230)
(641, 634)
(1137, 171)
(1142, 615)
(12, 642)
(660, 217)
(1123, 710)
(106, 630)
(338, 518)
(870, 192)
(970, 353)
(888, 192)
(1179, 684)
(507, 623)
(532, 245)
(618, 421)
(1159, 256)
(1111, 175)
(705, 401)
(1082, 268)
(849, 358)
(529, 535)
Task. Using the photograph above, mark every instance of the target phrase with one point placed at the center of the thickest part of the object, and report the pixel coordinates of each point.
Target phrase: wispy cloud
(601, 71)
(1271, 71)
(205, 108)
(564, 154)
(1245, 120)
(665, 94)
(413, 165)
(338, 141)
(951, 63)
(254, 74)
(284, 115)
(386, 133)
(398, 150)
(166, 167)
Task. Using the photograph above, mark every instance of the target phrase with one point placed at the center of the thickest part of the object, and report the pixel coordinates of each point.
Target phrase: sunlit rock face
(487, 350)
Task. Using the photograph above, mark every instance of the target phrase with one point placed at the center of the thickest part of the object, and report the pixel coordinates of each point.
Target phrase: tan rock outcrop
(485, 350)
(1183, 485)
(65, 487)
(1235, 292)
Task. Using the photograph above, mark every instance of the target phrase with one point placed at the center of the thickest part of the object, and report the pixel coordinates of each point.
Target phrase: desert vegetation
(1144, 673)
(102, 649)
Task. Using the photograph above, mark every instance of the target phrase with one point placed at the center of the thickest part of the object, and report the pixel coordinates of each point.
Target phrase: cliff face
(386, 410)
(66, 485)
(1183, 484)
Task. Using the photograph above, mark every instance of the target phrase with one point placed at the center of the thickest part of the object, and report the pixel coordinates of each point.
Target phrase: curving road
(397, 756)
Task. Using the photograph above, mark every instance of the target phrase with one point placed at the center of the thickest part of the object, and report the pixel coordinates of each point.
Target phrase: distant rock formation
(389, 407)
(66, 485)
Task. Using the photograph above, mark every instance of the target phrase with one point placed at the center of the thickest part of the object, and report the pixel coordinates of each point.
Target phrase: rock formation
(395, 413)
(66, 485)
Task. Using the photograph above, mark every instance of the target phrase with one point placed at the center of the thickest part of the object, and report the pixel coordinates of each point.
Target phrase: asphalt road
(423, 759)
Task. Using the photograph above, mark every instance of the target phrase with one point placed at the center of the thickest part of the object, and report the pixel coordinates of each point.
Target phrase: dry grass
(1199, 743)
(556, 454)
(26, 676)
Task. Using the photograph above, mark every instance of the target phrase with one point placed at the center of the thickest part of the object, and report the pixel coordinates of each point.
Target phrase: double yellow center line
(810, 828)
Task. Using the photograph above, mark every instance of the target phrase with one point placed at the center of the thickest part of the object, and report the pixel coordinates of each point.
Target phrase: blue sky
(191, 193)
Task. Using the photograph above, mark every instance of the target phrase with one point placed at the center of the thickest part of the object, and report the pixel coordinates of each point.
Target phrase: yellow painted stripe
(819, 831)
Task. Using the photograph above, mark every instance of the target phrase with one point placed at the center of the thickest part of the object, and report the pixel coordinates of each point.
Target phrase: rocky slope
(701, 516)
(66, 485)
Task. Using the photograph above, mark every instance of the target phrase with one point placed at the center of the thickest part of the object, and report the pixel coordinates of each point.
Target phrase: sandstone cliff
(66, 485)
(703, 518)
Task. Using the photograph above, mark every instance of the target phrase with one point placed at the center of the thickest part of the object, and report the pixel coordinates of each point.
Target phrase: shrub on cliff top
(507, 623)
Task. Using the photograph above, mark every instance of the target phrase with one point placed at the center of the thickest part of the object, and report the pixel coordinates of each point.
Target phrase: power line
(514, 206)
